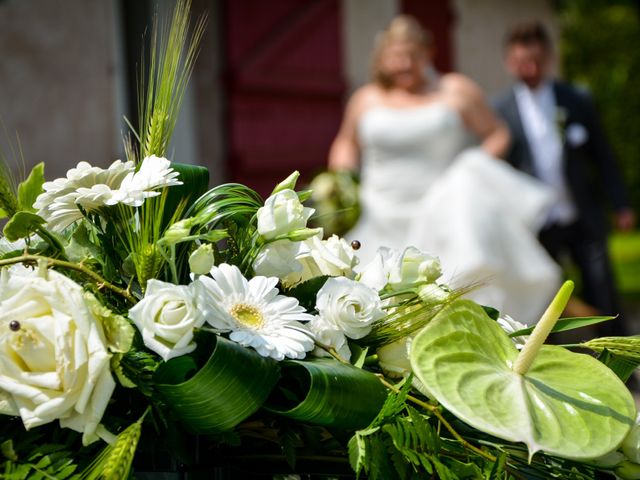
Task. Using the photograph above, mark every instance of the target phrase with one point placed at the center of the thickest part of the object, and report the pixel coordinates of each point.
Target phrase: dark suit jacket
(589, 167)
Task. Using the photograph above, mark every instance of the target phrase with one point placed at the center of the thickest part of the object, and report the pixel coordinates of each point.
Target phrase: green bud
(301, 234)
(287, 183)
(628, 471)
(177, 232)
(202, 259)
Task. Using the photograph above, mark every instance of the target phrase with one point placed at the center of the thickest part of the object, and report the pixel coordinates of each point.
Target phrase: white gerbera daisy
(255, 314)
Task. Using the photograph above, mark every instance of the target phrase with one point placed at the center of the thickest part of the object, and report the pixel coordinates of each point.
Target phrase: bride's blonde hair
(402, 28)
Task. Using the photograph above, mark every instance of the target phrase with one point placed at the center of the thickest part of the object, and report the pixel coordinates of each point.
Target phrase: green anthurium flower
(563, 403)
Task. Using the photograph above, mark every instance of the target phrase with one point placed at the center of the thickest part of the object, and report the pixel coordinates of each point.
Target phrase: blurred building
(269, 87)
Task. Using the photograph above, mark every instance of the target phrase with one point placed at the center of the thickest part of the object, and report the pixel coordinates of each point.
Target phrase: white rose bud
(167, 316)
(54, 361)
(282, 213)
(202, 259)
(348, 306)
(414, 267)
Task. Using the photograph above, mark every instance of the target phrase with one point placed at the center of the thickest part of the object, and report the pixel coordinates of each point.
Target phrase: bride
(428, 153)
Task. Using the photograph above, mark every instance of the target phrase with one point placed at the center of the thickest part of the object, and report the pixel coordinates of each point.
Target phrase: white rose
(329, 336)
(333, 257)
(348, 306)
(53, 360)
(282, 213)
(279, 259)
(202, 259)
(166, 317)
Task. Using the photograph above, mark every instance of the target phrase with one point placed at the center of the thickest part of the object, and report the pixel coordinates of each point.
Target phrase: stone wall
(479, 31)
(60, 81)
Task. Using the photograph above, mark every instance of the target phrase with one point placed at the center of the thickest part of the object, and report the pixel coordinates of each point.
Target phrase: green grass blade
(565, 324)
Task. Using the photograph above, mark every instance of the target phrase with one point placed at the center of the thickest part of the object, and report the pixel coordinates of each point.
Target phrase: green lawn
(625, 254)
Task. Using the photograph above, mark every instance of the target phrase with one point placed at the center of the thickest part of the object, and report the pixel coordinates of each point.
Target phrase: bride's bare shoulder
(366, 97)
(460, 85)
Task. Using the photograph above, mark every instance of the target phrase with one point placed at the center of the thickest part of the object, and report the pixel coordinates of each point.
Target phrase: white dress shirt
(539, 115)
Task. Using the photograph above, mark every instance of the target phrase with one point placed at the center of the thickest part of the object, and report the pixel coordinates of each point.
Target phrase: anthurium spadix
(563, 403)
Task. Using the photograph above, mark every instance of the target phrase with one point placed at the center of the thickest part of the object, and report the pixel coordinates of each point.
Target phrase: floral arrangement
(149, 323)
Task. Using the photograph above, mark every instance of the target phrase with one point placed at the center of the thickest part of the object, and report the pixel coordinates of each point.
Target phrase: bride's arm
(478, 117)
(345, 149)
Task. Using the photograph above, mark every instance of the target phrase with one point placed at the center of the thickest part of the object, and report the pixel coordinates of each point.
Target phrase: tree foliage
(599, 50)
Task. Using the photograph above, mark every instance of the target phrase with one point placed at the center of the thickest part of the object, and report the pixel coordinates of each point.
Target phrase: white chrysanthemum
(91, 187)
(58, 204)
(154, 173)
(255, 314)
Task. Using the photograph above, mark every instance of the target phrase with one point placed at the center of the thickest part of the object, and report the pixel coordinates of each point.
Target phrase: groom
(557, 137)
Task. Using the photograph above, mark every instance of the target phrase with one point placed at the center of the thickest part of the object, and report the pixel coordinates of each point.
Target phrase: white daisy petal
(256, 314)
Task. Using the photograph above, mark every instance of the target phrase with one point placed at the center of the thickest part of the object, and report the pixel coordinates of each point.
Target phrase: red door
(439, 17)
(284, 83)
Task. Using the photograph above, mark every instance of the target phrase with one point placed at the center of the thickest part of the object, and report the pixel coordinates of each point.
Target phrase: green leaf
(22, 225)
(118, 330)
(195, 181)
(567, 404)
(221, 394)
(326, 392)
(357, 452)
(29, 190)
(622, 366)
(306, 292)
(565, 324)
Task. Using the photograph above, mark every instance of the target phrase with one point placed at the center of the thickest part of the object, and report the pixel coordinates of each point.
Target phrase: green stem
(549, 318)
(434, 409)
(50, 239)
(53, 262)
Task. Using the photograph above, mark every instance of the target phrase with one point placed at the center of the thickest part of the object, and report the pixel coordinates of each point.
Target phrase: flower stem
(53, 262)
(435, 410)
(549, 318)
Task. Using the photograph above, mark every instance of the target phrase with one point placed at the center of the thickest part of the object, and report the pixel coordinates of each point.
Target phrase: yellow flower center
(247, 315)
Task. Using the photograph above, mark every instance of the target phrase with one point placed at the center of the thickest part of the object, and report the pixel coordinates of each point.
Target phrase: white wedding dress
(424, 185)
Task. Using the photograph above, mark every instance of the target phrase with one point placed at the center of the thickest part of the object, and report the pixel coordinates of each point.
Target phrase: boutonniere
(562, 116)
